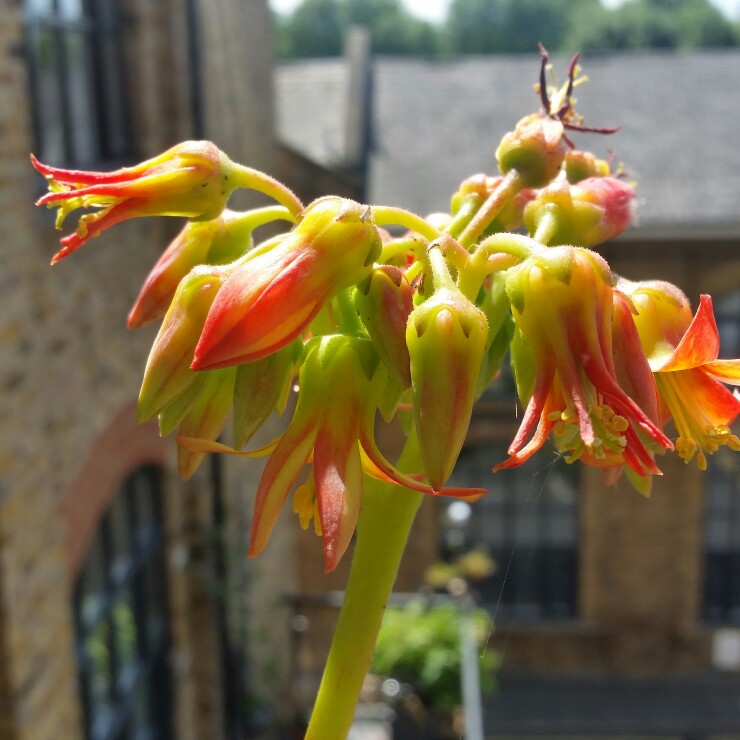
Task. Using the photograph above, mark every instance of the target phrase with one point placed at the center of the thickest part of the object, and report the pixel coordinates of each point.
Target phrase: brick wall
(69, 369)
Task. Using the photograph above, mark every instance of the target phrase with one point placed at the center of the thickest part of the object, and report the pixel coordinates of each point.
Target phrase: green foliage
(496, 26)
(316, 28)
(653, 24)
(419, 644)
(313, 30)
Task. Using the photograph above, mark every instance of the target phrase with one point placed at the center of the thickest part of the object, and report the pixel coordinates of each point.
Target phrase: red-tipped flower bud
(274, 294)
(216, 242)
(168, 370)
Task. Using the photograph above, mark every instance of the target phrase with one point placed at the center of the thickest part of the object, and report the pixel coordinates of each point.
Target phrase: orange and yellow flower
(340, 383)
(683, 354)
(190, 180)
(563, 304)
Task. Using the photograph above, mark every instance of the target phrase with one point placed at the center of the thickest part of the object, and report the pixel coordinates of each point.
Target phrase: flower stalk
(387, 515)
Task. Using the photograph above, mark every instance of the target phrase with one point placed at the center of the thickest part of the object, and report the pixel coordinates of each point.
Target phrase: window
(75, 59)
(722, 504)
(528, 522)
(120, 609)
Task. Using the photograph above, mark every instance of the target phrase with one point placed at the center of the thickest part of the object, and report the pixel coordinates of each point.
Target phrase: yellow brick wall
(69, 367)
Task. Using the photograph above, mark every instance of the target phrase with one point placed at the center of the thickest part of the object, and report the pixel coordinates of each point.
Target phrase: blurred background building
(127, 609)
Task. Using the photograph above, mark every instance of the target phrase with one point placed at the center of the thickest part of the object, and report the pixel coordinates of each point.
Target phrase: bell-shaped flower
(636, 379)
(216, 242)
(340, 381)
(190, 180)
(339, 384)
(447, 340)
(205, 415)
(683, 353)
(262, 387)
(384, 301)
(168, 372)
(587, 213)
(273, 294)
(562, 303)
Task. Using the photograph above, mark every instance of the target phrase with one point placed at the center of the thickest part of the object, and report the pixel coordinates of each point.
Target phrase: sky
(434, 10)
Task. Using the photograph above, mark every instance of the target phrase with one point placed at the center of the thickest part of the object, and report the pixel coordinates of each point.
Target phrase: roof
(436, 122)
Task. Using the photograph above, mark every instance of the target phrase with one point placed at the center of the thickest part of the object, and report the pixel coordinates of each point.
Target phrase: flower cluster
(413, 325)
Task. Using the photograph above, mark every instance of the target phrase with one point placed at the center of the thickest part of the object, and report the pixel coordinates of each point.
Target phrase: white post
(470, 674)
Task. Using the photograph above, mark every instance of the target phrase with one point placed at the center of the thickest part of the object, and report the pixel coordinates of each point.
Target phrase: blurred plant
(419, 644)
(472, 566)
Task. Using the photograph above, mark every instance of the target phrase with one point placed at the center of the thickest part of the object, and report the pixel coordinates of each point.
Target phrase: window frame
(98, 23)
(128, 568)
(720, 602)
(544, 567)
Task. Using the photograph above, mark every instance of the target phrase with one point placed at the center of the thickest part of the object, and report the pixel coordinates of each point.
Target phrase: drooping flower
(340, 381)
(215, 242)
(205, 415)
(168, 371)
(274, 294)
(494, 303)
(190, 180)
(562, 303)
(262, 387)
(447, 339)
(683, 353)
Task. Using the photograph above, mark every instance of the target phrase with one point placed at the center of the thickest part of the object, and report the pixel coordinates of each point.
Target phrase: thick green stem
(349, 321)
(547, 228)
(390, 215)
(470, 206)
(382, 530)
(251, 179)
(440, 271)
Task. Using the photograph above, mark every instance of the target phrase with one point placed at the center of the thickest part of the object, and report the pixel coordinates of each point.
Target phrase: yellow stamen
(698, 435)
(608, 426)
(305, 505)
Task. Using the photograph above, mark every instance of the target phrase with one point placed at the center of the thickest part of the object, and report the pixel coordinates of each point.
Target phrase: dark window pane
(529, 524)
(722, 502)
(113, 109)
(76, 68)
(120, 530)
(49, 109)
(99, 665)
(81, 95)
(121, 615)
(124, 626)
